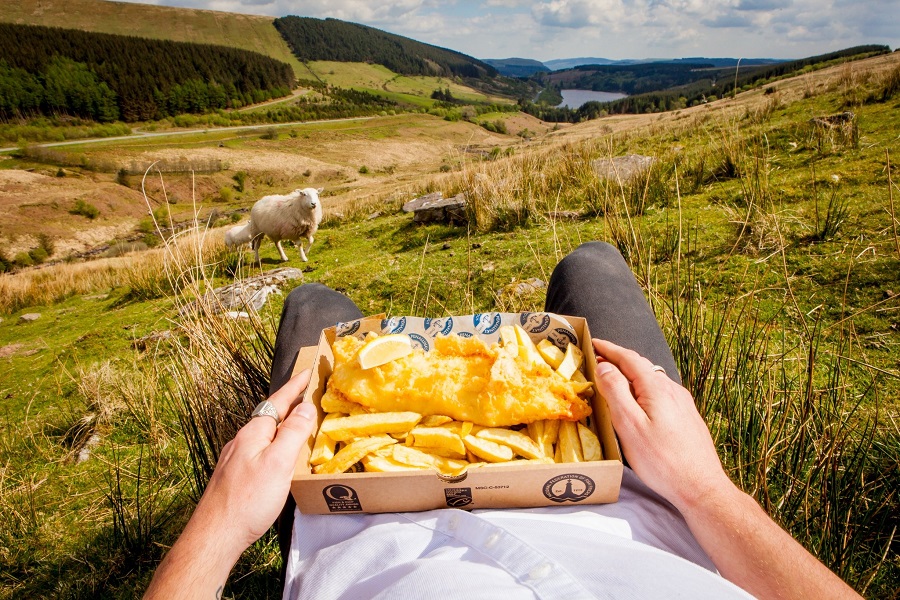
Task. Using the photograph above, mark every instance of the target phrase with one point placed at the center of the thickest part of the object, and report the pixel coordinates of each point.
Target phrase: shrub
(363, 169)
(235, 217)
(239, 179)
(226, 194)
(85, 209)
(22, 259)
(122, 177)
(38, 255)
(6, 265)
(47, 243)
(60, 172)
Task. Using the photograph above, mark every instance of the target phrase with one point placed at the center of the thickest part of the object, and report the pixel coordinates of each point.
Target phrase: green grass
(789, 340)
(378, 78)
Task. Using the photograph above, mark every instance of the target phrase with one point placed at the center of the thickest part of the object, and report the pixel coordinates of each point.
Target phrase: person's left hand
(253, 476)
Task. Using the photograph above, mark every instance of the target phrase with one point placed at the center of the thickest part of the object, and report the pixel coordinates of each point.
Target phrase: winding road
(138, 134)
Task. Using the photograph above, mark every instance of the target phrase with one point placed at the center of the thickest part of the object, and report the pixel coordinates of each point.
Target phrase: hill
(49, 70)
(246, 32)
(517, 67)
(335, 40)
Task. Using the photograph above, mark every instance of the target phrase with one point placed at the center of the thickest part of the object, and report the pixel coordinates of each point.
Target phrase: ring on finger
(659, 369)
(266, 409)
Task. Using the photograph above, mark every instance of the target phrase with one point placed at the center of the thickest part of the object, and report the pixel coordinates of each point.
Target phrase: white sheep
(237, 236)
(289, 217)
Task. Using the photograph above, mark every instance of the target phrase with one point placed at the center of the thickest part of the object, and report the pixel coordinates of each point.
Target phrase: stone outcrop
(623, 168)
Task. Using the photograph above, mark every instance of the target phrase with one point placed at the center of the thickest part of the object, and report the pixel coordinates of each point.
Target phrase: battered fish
(462, 378)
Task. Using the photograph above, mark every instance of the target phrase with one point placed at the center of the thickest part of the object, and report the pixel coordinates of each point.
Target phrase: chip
(590, 445)
(369, 424)
(519, 442)
(569, 443)
(439, 438)
(488, 450)
(353, 452)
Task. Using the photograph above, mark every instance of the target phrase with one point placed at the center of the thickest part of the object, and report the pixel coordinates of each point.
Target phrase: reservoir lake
(575, 98)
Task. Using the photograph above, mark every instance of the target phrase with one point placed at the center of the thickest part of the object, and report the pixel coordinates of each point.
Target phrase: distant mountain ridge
(561, 64)
(517, 67)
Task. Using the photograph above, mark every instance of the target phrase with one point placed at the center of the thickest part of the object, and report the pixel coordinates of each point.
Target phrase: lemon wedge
(384, 349)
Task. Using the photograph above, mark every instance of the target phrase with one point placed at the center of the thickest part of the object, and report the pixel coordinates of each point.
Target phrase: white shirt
(639, 547)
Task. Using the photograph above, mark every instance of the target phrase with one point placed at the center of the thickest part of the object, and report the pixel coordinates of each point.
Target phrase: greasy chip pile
(463, 405)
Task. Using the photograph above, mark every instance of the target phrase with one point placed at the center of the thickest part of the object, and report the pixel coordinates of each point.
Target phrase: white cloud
(546, 29)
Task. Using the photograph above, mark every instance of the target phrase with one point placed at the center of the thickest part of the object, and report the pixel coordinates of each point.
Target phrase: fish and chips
(464, 404)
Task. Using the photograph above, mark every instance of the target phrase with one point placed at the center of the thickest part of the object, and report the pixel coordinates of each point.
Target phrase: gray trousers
(592, 282)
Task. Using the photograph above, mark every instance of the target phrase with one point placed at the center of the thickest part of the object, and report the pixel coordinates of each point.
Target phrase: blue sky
(614, 29)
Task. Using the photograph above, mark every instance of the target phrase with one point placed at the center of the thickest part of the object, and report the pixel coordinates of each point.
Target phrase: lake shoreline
(574, 99)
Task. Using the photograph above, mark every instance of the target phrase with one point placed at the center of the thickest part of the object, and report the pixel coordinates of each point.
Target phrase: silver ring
(658, 368)
(266, 409)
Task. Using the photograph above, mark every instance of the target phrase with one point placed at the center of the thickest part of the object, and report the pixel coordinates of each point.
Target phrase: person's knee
(305, 294)
(589, 256)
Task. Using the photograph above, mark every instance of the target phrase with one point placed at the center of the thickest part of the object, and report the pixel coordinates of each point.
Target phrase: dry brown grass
(144, 274)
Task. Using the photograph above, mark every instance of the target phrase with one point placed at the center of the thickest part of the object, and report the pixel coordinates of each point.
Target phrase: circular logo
(339, 492)
(535, 322)
(571, 487)
(562, 337)
(420, 341)
(436, 327)
(393, 325)
(344, 329)
(487, 322)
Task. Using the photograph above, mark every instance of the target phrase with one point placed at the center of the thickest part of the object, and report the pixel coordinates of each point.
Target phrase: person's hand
(244, 496)
(253, 476)
(664, 438)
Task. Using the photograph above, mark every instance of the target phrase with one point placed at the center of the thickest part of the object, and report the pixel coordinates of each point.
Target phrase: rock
(9, 349)
(412, 205)
(832, 121)
(520, 288)
(29, 317)
(85, 452)
(449, 210)
(234, 314)
(476, 246)
(564, 215)
(445, 246)
(373, 216)
(248, 293)
(623, 168)
(151, 339)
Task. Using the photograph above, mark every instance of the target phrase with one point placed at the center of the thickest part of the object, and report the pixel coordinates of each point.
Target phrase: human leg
(595, 282)
(308, 310)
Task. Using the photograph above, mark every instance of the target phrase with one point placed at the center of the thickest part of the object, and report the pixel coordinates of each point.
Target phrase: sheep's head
(309, 197)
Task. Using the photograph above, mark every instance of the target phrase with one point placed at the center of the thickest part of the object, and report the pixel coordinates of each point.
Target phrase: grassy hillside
(416, 89)
(767, 245)
(333, 39)
(248, 32)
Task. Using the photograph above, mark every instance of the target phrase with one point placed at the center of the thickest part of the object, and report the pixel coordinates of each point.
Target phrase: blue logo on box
(420, 341)
(562, 337)
(487, 322)
(436, 327)
(535, 322)
(345, 329)
(393, 325)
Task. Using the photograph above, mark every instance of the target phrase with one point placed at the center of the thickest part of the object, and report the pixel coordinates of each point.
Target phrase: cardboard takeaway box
(510, 486)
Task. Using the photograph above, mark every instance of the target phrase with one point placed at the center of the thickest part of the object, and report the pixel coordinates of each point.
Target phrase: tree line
(104, 77)
(333, 39)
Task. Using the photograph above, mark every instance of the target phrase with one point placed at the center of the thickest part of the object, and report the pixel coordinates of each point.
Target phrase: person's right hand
(664, 438)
